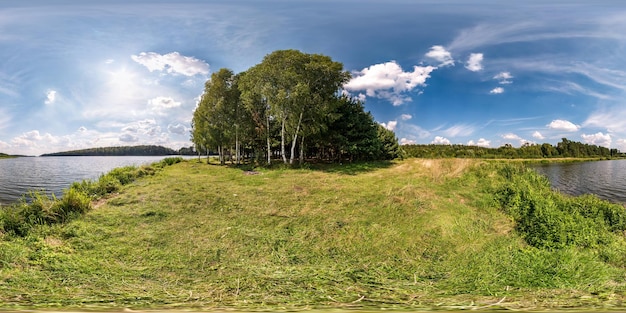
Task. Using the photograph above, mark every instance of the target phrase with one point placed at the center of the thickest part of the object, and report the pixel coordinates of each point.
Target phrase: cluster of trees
(145, 150)
(564, 149)
(289, 106)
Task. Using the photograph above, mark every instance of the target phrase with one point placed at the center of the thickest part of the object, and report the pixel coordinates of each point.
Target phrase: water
(605, 179)
(53, 174)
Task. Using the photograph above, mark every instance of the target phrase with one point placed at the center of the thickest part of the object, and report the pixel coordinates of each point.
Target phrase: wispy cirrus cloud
(459, 130)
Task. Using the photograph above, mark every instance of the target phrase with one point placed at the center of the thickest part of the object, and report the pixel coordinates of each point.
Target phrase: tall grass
(416, 234)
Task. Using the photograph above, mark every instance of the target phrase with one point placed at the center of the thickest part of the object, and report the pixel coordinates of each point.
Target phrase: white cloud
(538, 135)
(474, 62)
(440, 141)
(482, 142)
(611, 120)
(388, 81)
(160, 104)
(51, 96)
(406, 117)
(128, 138)
(504, 78)
(440, 54)
(412, 131)
(621, 144)
(460, 130)
(511, 136)
(177, 129)
(496, 91)
(391, 125)
(405, 141)
(172, 63)
(598, 139)
(563, 125)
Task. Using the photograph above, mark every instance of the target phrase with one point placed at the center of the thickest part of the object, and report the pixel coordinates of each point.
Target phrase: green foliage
(289, 99)
(549, 220)
(564, 149)
(118, 151)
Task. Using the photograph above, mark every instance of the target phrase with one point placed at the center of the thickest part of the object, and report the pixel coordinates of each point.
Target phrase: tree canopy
(289, 106)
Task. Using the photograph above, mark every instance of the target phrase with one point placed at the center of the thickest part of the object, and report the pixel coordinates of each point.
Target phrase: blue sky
(80, 73)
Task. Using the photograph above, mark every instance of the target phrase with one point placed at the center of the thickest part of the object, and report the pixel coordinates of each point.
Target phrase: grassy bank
(431, 234)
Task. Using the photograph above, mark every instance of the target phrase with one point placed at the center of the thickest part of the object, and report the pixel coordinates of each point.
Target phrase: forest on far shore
(564, 149)
(144, 150)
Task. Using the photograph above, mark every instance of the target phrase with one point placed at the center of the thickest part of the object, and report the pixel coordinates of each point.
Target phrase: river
(605, 179)
(53, 174)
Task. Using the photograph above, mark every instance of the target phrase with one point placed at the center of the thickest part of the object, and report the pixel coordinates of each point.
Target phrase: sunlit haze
(80, 74)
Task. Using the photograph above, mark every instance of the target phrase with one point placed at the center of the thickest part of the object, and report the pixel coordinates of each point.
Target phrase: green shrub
(547, 219)
(73, 203)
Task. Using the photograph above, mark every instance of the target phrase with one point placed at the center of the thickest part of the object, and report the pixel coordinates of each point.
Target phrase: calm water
(53, 174)
(606, 179)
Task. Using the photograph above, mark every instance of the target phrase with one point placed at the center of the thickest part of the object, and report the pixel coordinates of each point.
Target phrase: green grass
(415, 234)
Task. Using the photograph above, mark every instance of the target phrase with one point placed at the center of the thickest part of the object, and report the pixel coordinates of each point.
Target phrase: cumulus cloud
(128, 138)
(391, 125)
(177, 129)
(440, 141)
(388, 81)
(474, 62)
(538, 135)
(511, 136)
(496, 91)
(440, 54)
(51, 97)
(504, 78)
(482, 142)
(405, 141)
(598, 139)
(161, 104)
(406, 117)
(621, 144)
(563, 125)
(174, 63)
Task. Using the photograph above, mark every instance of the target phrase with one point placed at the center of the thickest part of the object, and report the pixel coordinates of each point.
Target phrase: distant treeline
(564, 149)
(146, 150)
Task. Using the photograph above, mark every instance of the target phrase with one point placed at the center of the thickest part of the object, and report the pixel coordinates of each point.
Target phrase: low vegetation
(413, 234)
(37, 208)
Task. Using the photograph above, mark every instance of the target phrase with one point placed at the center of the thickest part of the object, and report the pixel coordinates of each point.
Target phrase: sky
(77, 74)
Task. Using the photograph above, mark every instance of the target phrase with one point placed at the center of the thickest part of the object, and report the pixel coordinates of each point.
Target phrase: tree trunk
(237, 152)
(282, 141)
(302, 151)
(295, 140)
(269, 147)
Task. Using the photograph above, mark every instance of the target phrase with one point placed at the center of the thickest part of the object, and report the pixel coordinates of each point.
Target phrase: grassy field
(413, 234)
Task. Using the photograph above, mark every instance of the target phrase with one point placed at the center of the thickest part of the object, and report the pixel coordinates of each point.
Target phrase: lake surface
(606, 179)
(53, 174)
